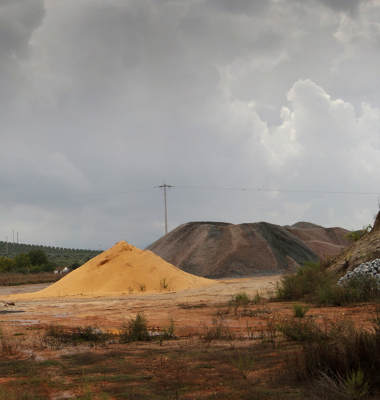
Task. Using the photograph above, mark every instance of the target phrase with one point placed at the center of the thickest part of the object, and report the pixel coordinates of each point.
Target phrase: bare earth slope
(218, 250)
(365, 249)
(323, 241)
(122, 269)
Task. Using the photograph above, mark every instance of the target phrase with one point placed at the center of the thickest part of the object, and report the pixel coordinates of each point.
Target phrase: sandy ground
(110, 312)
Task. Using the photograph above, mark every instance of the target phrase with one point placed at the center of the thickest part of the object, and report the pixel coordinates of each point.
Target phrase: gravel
(369, 268)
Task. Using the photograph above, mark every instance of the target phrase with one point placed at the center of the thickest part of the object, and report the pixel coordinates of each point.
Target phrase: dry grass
(13, 279)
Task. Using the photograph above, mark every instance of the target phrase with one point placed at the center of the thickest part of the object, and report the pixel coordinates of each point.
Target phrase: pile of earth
(122, 269)
(220, 250)
(365, 249)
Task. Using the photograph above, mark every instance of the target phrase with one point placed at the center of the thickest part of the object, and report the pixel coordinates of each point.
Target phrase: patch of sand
(122, 269)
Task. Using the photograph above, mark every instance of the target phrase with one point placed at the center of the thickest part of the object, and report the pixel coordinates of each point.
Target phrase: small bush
(241, 298)
(353, 236)
(243, 361)
(135, 330)
(300, 311)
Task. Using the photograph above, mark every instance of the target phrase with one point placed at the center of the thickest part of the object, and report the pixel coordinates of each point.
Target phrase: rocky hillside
(365, 249)
(218, 250)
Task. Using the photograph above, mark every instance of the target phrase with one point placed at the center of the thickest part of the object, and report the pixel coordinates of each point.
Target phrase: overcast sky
(111, 96)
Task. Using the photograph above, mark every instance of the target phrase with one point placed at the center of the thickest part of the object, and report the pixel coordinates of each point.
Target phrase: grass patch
(14, 279)
(58, 336)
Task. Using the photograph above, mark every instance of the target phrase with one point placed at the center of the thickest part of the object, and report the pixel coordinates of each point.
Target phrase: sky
(101, 101)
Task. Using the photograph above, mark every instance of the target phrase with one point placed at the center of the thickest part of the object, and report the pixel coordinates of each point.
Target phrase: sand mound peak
(122, 269)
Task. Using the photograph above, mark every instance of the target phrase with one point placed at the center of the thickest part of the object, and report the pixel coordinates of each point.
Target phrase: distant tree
(22, 260)
(6, 264)
(38, 257)
(75, 265)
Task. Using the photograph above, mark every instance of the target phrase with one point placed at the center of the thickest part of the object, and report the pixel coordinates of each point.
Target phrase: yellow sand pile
(123, 269)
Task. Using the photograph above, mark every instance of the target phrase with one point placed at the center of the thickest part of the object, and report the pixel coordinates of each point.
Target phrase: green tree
(21, 260)
(6, 264)
(38, 257)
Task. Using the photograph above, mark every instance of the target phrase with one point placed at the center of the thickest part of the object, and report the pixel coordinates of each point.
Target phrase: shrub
(243, 361)
(314, 283)
(305, 283)
(363, 287)
(241, 298)
(356, 235)
(135, 330)
(300, 311)
(346, 355)
(301, 330)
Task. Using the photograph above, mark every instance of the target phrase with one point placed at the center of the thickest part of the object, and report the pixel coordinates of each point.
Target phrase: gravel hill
(219, 250)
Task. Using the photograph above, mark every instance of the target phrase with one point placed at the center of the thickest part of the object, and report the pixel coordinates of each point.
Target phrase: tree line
(29, 258)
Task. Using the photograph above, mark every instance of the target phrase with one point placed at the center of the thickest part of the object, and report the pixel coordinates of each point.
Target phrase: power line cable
(75, 196)
(277, 190)
(193, 187)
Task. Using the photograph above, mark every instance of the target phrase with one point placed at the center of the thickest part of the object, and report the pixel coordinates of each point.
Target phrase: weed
(135, 330)
(141, 287)
(299, 311)
(355, 386)
(257, 298)
(243, 361)
(241, 298)
(57, 335)
(269, 338)
(169, 330)
(130, 289)
(164, 285)
(216, 331)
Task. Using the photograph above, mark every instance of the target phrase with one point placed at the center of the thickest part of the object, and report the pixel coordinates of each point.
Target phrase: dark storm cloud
(18, 19)
(239, 6)
(121, 95)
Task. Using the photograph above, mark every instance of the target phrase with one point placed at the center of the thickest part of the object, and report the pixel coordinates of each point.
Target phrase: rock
(370, 268)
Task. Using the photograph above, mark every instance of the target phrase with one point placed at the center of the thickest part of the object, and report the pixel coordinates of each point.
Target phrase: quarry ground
(208, 360)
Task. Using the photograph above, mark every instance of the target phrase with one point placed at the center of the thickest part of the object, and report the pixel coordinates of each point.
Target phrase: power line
(75, 196)
(276, 190)
(192, 187)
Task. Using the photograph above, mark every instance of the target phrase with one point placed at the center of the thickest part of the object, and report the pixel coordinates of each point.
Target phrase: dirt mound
(122, 269)
(325, 242)
(365, 249)
(304, 225)
(218, 250)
